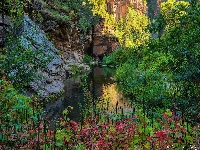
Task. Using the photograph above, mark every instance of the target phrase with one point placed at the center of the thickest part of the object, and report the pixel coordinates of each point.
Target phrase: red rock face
(67, 40)
(119, 7)
(103, 44)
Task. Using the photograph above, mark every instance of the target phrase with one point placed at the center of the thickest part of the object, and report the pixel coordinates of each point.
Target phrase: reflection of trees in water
(100, 85)
(112, 99)
(73, 96)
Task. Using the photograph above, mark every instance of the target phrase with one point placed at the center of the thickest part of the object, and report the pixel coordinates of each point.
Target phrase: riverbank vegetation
(29, 130)
(161, 75)
(164, 70)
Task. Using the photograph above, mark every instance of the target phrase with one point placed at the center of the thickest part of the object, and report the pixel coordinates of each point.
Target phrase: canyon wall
(102, 44)
(120, 7)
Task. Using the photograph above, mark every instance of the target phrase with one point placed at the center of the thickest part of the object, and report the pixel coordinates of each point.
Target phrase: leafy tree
(68, 12)
(172, 11)
(166, 70)
(132, 30)
(99, 7)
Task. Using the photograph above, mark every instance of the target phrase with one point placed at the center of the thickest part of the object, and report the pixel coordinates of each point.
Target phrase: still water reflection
(101, 85)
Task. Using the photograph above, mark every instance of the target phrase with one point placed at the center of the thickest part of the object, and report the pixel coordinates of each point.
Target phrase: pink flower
(74, 124)
(198, 116)
(161, 135)
(120, 126)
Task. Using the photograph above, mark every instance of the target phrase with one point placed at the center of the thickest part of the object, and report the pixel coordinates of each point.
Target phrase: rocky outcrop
(51, 78)
(67, 39)
(102, 43)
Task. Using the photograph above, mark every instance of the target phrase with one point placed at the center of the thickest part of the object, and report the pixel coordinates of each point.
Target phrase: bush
(87, 59)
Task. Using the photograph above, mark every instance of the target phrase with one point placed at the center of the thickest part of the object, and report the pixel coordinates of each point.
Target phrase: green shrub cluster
(19, 64)
(70, 12)
(132, 30)
(15, 108)
(165, 70)
(87, 59)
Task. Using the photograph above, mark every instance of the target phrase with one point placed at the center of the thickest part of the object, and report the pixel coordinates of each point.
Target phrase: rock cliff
(119, 7)
(32, 37)
(51, 79)
(67, 39)
(102, 43)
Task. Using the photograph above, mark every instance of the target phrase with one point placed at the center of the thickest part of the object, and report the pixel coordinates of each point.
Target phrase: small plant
(87, 59)
(75, 69)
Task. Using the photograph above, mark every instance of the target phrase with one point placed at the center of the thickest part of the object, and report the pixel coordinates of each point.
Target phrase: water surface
(101, 85)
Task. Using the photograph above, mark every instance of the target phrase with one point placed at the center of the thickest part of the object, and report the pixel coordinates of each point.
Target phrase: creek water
(101, 86)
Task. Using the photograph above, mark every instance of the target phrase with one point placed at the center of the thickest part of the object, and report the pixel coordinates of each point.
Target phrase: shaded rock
(4, 25)
(32, 37)
(100, 49)
(67, 39)
(55, 66)
(103, 43)
(50, 80)
(55, 87)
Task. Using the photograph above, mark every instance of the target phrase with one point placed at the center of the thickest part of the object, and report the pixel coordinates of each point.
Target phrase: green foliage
(132, 30)
(98, 7)
(72, 12)
(165, 70)
(121, 55)
(115, 58)
(139, 76)
(172, 11)
(75, 69)
(15, 108)
(87, 59)
(20, 65)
